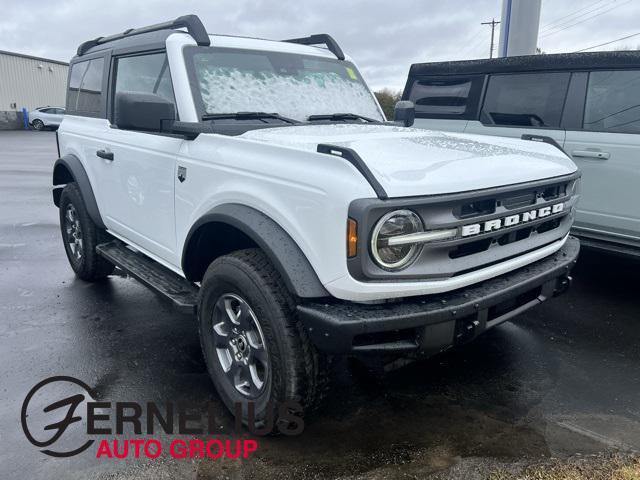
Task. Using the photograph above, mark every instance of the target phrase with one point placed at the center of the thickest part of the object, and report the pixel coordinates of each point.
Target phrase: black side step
(180, 291)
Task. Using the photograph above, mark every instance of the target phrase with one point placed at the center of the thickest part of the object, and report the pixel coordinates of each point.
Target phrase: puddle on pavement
(373, 428)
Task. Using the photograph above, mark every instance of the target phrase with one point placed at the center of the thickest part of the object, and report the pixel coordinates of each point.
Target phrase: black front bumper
(434, 323)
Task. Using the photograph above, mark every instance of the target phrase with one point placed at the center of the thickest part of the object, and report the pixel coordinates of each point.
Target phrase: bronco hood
(411, 162)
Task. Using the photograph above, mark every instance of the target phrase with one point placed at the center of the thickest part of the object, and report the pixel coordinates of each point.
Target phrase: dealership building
(29, 82)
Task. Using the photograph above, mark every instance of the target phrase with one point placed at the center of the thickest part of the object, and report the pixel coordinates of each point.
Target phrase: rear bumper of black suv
(433, 323)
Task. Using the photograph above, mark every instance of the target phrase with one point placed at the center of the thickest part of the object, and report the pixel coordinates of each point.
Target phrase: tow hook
(467, 330)
(563, 285)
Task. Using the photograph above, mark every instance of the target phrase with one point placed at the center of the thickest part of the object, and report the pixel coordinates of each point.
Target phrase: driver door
(139, 179)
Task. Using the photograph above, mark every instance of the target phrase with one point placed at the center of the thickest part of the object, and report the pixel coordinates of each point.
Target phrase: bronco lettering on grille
(511, 220)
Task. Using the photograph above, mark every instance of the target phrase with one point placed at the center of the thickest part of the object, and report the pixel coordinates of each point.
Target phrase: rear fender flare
(69, 169)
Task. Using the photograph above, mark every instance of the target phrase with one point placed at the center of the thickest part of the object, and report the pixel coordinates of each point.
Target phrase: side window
(442, 97)
(145, 74)
(85, 87)
(525, 100)
(75, 79)
(613, 102)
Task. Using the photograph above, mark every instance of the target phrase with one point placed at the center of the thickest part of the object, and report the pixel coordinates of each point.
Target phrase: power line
(470, 45)
(598, 11)
(608, 43)
(585, 20)
(548, 26)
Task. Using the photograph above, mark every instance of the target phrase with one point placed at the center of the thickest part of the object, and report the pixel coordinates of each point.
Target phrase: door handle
(591, 154)
(104, 154)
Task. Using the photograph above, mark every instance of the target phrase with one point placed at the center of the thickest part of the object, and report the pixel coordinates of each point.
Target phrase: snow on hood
(411, 161)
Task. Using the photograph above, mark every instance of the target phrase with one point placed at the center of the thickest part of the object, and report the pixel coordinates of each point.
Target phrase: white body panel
(278, 172)
(411, 162)
(478, 128)
(308, 195)
(440, 124)
(140, 182)
(609, 203)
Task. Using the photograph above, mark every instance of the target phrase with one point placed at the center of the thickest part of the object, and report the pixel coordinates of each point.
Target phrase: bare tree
(388, 99)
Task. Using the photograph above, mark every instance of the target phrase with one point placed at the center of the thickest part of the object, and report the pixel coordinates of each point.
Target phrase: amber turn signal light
(352, 238)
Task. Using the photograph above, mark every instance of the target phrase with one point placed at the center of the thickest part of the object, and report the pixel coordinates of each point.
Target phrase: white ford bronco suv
(257, 184)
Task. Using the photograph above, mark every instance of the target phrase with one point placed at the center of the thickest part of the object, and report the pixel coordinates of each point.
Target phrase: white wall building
(29, 82)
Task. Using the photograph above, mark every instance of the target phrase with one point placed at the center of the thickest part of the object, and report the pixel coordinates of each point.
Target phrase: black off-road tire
(297, 371)
(89, 265)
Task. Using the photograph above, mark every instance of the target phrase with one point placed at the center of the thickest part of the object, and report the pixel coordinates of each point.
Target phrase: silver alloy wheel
(240, 345)
(73, 232)
(38, 124)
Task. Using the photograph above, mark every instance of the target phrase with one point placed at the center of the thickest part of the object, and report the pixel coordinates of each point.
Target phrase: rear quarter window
(525, 100)
(84, 95)
(446, 97)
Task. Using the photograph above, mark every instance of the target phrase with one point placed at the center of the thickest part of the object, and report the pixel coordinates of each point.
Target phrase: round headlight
(393, 224)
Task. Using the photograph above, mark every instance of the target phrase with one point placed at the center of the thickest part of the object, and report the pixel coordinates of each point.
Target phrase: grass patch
(600, 467)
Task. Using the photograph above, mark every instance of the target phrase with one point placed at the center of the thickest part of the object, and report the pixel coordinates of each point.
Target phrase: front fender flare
(292, 264)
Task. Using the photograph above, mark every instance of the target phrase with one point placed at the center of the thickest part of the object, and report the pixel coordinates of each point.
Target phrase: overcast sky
(383, 37)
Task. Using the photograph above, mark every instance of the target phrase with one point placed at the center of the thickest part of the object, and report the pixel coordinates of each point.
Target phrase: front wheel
(255, 349)
(38, 124)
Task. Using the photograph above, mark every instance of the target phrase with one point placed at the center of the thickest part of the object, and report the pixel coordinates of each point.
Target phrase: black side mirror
(143, 111)
(404, 113)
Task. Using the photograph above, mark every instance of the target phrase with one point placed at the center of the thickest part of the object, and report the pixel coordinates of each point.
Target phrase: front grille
(488, 247)
(476, 208)
(483, 243)
(511, 201)
(470, 248)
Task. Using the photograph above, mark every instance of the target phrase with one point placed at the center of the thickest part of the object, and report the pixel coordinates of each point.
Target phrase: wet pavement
(562, 380)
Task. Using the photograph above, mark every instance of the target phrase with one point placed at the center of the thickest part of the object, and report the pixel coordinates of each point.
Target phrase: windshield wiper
(247, 116)
(341, 116)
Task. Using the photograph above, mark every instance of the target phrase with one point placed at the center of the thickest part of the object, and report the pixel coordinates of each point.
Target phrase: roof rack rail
(192, 23)
(320, 39)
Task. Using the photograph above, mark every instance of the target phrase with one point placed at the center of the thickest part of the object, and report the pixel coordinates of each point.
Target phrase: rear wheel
(37, 124)
(255, 349)
(80, 236)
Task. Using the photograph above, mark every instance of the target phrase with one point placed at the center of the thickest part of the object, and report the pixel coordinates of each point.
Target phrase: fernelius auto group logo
(60, 417)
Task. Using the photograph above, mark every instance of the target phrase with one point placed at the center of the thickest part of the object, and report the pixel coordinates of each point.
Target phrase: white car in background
(46, 117)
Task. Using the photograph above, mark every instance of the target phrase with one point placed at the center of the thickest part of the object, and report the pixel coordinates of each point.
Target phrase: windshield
(294, 86)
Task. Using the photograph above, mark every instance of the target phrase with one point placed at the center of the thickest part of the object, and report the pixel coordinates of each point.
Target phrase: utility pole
(493, 24)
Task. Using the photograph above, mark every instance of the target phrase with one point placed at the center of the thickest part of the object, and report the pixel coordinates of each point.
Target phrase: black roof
(154, 36)
(191, 23)
(143, 41)
(525, 63)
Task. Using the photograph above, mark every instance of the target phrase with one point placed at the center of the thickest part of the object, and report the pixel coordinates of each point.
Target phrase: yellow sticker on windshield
(351, 73)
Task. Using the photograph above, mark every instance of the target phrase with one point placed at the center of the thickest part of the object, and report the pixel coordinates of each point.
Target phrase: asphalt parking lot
(560, 382)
